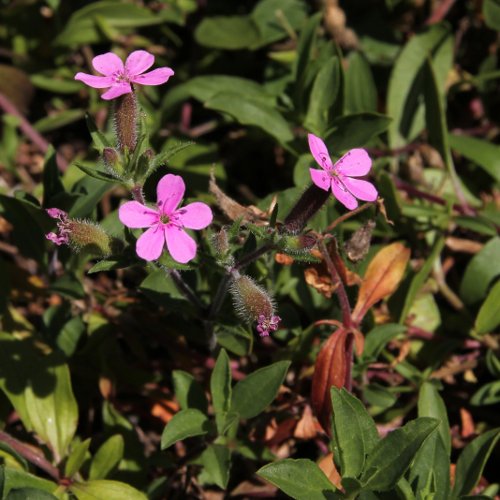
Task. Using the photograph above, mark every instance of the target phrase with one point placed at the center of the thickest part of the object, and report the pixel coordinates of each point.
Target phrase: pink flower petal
(354, 163)
(96, 82)
(155, 77)
(170, 191)
(363, 190)
(150, 244)
(117, 90)
(320, 178)
(138, 62)
(319, 151)
(181, 246)
(196, 215)
(343, 195)
(107, 64)
(133, 214)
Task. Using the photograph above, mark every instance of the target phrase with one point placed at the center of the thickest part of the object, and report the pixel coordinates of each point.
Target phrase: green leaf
(216, 460)
(301, 479)
(276, 19)
(483, 153)
(471, 462)
(431, 404)
(15, 478)
(111, 263)
(255, 392)
(251, 112)
(96, 173)
(488, 317)
(56, 83)
(61, 119)
(28, 494)
(104, 488)
(323, 96)
(107, 457)
(482, 269)
(98, 139)
(405, 84)
(227, 32)
(488, 394)
(164, 157)
(52, 184)
(83, 28)
(354, 432)
(220, 387)
(235, 339)
(188, 392)
(184, 424)
(360, 88)
(377, 339)
(390, 458)
(491, 13)
(420, 277)
(76, 458)
(429, 474)
(356, 130)
(40, 392)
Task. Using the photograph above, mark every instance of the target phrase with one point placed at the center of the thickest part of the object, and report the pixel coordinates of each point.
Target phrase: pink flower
(118, 78)
(339, 176)
(166, 224)
(266, 325)
(63, 226)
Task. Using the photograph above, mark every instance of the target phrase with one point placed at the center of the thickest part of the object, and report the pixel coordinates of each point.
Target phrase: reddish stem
(27, 129)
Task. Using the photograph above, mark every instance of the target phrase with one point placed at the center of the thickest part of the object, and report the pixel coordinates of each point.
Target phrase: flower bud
(254, 304)
(220, 242)
(80, 234)
(113, 161)
(126, 119)
(299, 244)
(312, 199)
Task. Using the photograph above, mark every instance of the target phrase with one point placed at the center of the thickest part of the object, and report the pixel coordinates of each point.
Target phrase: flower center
(164, 219)
(120, 77)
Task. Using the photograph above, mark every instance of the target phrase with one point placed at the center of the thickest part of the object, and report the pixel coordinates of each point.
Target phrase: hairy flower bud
(126, 119)
(80, 234)
(113, 161)
(220, 242)
(254, 304)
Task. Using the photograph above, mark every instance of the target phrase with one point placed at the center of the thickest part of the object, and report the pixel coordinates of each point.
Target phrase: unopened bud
(113, 161)
(220, 242)
(80, 234)
(312, 199)
(254, 304)
(126, 118)
(300, 244)
(359, 244)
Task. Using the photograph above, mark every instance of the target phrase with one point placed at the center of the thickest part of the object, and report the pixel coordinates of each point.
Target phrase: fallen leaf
(382, 277)
(307, 426)
(468, 428)
(284, 259)
(463, 245)
(327, 465)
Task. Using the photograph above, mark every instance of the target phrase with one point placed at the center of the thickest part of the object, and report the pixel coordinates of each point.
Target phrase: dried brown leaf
(307, 427)
(382, 277)
(327, 465)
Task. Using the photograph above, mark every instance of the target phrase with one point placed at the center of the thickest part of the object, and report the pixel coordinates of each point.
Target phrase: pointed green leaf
(96, 173)
(217, 462)
(390, 458)
(354, 432)
(488, 317)
(471, 462)
(361, 91)
(107, 457)
(220, 387)
(184, 424)
(188, 391)
(255, 392)
(431, 404)
(301, 479)
(76, 458)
